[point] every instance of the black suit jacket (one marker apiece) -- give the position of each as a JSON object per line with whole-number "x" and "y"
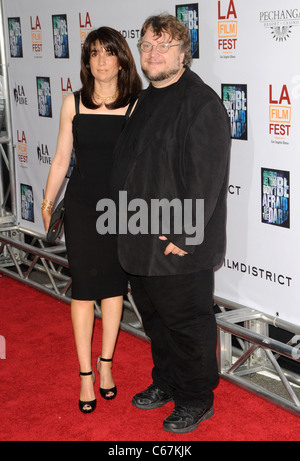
{"x": 180, "y": 152}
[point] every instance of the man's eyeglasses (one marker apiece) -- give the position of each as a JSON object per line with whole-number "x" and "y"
{"x": 146, "y": 47}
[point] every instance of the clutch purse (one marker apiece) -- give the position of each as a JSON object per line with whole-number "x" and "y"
{"x": 57, "y": 222}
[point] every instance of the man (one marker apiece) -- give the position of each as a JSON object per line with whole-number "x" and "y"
{"x": 175, "y": 146}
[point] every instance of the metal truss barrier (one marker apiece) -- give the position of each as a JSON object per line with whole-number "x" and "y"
{"x": 45, "y": 267}
{"x": 250, "y": 358}
{"x": 7, "y": 191}
{"x": 247, "y": 355}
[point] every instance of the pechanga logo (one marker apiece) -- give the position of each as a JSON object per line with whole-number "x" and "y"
{"x": 66, "y": 87}
{"x": 85, "y": 26}
{"x": 22, "y": 148}
{"x": 280, "y": 111}
{"x": 227, "y": 28}
{"x": 280, "y": 22}
{"x": 36, "y": 37}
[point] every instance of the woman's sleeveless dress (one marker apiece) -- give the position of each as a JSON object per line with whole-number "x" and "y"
{"x": 93, "y": 259}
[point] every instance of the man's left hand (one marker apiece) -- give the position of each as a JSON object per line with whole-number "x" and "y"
{"x": 171, "y": 248}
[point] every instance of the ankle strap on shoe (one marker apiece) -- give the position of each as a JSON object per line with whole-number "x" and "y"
{"x": 85, "y": 374}
{"x": 105, "y": 360}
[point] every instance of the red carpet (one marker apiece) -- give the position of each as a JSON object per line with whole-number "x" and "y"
{"x": 39, "y": 386}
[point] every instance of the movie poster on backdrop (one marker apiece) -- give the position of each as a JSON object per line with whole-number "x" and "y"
{"x": 248, "y": 54}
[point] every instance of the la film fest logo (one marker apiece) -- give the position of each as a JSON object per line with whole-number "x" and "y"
{"x": 280, "y": 22}
{"x": 160, "y": 216}
{"x": 36, "y": 36}
{"x": 85, "y": 26}
{"x": 66, "y": 87}
{"x": 22, "y": 148}
{"x": 280, "y": 113}
{"x": 227, "y": 28}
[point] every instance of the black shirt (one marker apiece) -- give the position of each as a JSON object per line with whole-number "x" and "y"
{"x": 145, "y": 109}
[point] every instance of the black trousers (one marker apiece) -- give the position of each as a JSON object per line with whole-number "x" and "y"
{"x": 178, "y": 317}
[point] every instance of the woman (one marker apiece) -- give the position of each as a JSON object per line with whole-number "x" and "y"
{"x": 91, "y": 120}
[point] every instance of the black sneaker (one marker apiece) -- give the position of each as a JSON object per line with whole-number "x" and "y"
{"x": 151, "y": 398}
{"x": 186, "y": 419}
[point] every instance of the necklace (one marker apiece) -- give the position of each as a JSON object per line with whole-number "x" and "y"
{"x": 106, "y": 97}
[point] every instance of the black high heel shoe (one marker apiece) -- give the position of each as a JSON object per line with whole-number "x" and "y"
{"x": 92, "y": 403}
{"x": 104, "y": 392}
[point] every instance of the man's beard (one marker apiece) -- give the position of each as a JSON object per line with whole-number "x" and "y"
{"x": 162, "y": 75}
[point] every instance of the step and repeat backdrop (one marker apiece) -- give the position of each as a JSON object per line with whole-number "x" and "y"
{"x": 248, "y": 52}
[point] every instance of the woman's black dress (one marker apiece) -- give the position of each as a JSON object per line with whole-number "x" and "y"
{"x": 93, "y": 259}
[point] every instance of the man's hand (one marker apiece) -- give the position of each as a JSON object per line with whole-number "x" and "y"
{"x": 171, "y": 248}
